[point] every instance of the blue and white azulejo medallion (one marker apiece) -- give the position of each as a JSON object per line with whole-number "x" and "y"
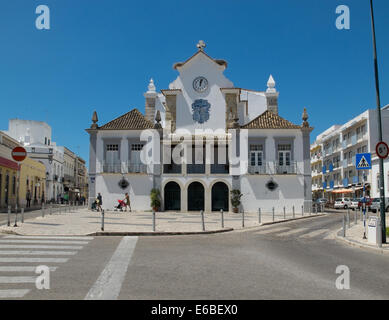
{"x": 200, "y": 110}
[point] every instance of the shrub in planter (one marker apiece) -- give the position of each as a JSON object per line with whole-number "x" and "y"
{"x": 235, "y": 199}
{"x": 155, "y": 199}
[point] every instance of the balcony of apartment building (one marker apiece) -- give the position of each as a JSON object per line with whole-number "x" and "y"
{"x": 126, "y": 167}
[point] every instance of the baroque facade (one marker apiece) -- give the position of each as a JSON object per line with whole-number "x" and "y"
{"x": 224, "y": 137}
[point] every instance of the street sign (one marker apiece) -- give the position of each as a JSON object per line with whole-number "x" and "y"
{"x": 19, "y": 154}
{"x": 363, "y": 161}
{"x": 382, "y": 150}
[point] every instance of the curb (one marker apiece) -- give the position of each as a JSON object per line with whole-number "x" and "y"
{"x": 358, "y": 244}
{"x": 157, "y": 233}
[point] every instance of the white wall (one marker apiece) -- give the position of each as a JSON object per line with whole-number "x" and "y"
{"x": 139, "y": 190}
{"x": 375, "y": 172}
{"x": 36, "y": 130}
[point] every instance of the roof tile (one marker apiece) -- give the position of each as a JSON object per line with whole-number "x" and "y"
{"x": 270, "y": 120}
{"x": 132, "y": 120}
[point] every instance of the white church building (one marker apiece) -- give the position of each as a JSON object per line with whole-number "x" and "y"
{"x": 224, "y": 137}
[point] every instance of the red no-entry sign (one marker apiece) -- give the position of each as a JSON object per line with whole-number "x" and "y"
{"x": 19, "y": 154}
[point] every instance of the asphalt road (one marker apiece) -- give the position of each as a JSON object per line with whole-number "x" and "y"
{"x": 294, "y": 260}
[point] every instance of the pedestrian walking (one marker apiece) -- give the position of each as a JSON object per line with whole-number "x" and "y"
{"x": 99, "y": 201}
{"x": 127, "y": 201}
{"x": 28, "y": 198}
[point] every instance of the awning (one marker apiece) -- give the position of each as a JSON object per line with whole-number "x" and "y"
{"x": 9, "y": 163}
{"x": 343, "y": 191}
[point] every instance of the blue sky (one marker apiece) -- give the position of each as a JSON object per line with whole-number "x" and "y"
{"x": 100, "y": 54}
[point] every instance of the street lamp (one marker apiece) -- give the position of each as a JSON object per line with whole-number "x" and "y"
{"x": 381, "y": 161}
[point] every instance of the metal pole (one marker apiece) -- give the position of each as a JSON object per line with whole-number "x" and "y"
{"x": 242, "y": 218}
{"x": 222, "y": 217}
{"x": 381, "y": 161}
{"x": 9, "y": 216}
{"x": 284, "y": 214}
{"x": 259, "y": 215}
{"x": 302, "y": 211}
{"x": 16, "y": 216}
{"x": 293, "y": 213}
{"x": 310, "y": 210}
{"x": 43, "y": 210}
{"x": 102, "y": 220}
{"x": 22, "y": 212}
{"x": 344, "y": 226}
{"x": 348, "y": 218}
{"x": 379, "y": 240}
{"x": 273, "y": 213}
{"x": 153, "y": 220}
{"x": 202, "y": 220}
{"x": 355, "y": 217}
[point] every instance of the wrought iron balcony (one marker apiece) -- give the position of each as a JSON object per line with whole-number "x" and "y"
{"x": 195, "y": 168}
{"x": 257, "y": 169}
{"x": 109, "y": 167}
{"x": 136, "y": 167}
{"x": 220, "y": 168}
{"x": 172, "y": 168}
{"x": 290, "y": 168}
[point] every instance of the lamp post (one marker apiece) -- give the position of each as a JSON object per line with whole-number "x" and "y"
{"x": 381, "y": 161}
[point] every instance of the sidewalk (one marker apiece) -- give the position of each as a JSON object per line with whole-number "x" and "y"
{"x": 354, "y": 234}
{"x": 86, "y": 222}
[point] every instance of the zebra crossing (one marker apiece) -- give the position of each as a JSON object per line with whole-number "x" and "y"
{"x": 301, "y": 233}
{"x": 21, "y": 255}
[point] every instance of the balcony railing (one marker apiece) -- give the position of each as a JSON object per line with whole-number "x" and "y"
{"x": 172, "y": 168}
{"x": 195, "y": 168}
{"x": 220, "y": 168}
{"x": 257, "y": 169}
{"x": 136, "y": 167}
{"x": 112, "y": 167}
{"x": 286, "y": 168}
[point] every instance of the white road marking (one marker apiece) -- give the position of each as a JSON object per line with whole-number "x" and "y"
{"x": 36, "y": 252}
{"x": 17, "y": 279}
{"x": 21, "y": 268}
{"x": 23, "y": 246}
{"x": 291, "y": 232}
{"x": 314, "y": 233}
{"x": 271, "y": 230}
{"x": 13, "y": 293}
{"x": 35, "y": 260}
{"x": 49, "y": 237}
{"x": 109, "y": 283}
{"x": 42, "y": 241}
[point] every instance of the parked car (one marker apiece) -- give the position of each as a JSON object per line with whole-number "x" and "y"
{"x": 342, "y": 203}
{"x": 376, "y": 204}
{"x": 354, "y": 203}
{"x": 321, "y": 201}
{"x": 368, "y": 202}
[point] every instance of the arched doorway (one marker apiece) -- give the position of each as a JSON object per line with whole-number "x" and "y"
{"x": 195, "y": 196}
{"x": 172, "y": 196}
{"x": 220, "y": 197}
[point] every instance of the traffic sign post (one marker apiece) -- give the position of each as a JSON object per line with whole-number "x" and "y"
{"x": 18, "y": 154}
{"x": 363, "y": 162}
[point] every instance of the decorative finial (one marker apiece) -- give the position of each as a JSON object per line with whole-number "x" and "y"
{"x": 305, "y": 118}
{"x": 151, "y": 86}
{"x": 271, "y": 84}
{"x": 94, "y": 120}
{"x": 157, "y": 124}
{"x": 201, "y": 45}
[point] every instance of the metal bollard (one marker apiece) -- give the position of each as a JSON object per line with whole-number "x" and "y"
{"x": 9, "y": 216}
{"x": 293, "y": 212}
{"x": 273, "y": 213}
{"x": 302, "y": 211}
{"x": 355, "y": 217}
{"x": 259, "y": 215}
{"x": 379, "y": 240}
{"x": 202, "y": 220}
{"x": 242, "y": 218}
{"x": 102, "y": 220}
{"x": 344, "y": 226}
{"x": 310, "y": 210}
{"x": 284, "y": 214}
{"x": 43, "y": 210}
{"x": 50, "y": 209}
{"x": 22, "y": 213}
{"x": 348, "y": 218}
{"x": 222, "y": 217}
{"x": 16, "y": 216}
{"x": 153, "y": 220}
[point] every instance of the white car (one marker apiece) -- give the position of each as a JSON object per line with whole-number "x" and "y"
{"x": 342, "y": 203}
{"x": 354, "y": 203}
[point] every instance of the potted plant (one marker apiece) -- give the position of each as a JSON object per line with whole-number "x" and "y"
{"x": 235, "y": 199}
{"x": 155, "y": 199}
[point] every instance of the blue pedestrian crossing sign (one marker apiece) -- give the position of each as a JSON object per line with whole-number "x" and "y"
{"x": 363, "y": 161}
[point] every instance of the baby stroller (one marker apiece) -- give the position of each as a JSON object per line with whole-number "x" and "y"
{"x": 94, "y": 206}
{"x": 120, "y": 206}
